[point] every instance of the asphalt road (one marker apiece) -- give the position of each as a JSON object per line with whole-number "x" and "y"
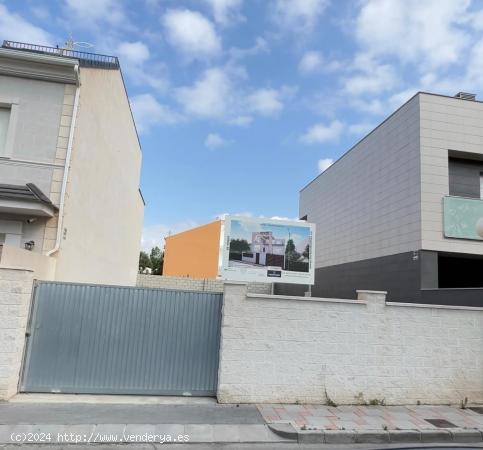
{"x": 276, "y": 446}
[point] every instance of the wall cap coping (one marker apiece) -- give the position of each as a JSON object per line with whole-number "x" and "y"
{"x": 427, "y": 305}
{"x": 16, "y": 268}
{"x": 306, "y": 299}
{"x": 239, "y": 283}
{"x": 365, "y": 291}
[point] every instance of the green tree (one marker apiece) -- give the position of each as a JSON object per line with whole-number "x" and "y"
{"x": 239, "y": 245}
{"x": 306, "y": 252}
{"x": 154, "y": 260}
{"x": 291, "y": 254}
{"x": 157, "y": 259}
{"x": 144, "y": 261}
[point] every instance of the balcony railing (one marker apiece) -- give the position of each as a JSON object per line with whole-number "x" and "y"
{"x": 86, "y": 59}
{"x": 461, "y": 216}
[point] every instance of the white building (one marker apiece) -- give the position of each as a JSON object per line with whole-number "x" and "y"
{"x": 70, "y": 160}
{"x": 263, "y": 244}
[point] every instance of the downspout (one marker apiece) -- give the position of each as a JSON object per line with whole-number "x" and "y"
{"x": 68, "y": 155}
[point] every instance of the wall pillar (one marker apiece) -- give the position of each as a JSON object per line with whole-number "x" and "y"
{"x": 15, "y": 297}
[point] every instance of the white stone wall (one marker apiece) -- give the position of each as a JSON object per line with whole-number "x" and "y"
{"x": 295, "y": 349}
{"x": 446, "y": 124}
{"x": 367, "y": 204}
{"x": 15, "y": 294}
{"x": 192, "y": 284}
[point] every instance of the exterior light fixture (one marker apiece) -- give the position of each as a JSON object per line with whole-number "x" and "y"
{"x": 29, "y": 245}
{"x": 479, "y": 227}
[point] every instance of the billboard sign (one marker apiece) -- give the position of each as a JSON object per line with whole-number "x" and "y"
{"x": 267, "y": 250}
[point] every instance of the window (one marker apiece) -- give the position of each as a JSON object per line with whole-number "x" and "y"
{"x": 4, "y": 120}
{"x": 3, "y": 238}
{"x": 481, "y": 185}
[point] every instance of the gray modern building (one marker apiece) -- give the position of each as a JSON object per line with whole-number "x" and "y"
{"x": 402, "y": 210}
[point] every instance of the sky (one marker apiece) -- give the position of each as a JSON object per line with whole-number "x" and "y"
{"x": 243, "y": 230}
{"x": 240, "y": 103}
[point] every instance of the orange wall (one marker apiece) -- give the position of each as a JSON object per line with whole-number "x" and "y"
{"x": 193, "y": 253}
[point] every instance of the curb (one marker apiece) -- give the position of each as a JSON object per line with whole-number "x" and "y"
{"x": 285, "y": 430}
{"x": 460, "y": 435}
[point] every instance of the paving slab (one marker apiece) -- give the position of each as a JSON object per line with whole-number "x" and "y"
{"x": 79, "y": 413}
{"x": 377, "y": 424}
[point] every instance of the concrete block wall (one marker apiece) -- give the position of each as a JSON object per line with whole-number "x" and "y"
{"x": 277, "y": 349}
{"x": 15, "y": 295}
{"x": 192, "y": 284}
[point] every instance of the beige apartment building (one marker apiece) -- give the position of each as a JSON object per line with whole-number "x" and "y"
{"x": 70, "y": 160}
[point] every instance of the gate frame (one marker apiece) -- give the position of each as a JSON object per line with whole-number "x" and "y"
{"x": 28, "y": 336}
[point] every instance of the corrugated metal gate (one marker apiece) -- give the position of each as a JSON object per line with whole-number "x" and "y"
{"x": 121, "y": 340}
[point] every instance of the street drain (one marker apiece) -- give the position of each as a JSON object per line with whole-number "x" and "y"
{"x": 477, "y": 409}
{"x": 441, "y": 423}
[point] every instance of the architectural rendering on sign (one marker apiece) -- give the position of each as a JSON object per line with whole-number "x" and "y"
{"x": 402, "y": 211}
{"x": 267, "y": 250}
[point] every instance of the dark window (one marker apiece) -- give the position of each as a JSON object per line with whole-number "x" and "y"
{"x": 456, "y": 271}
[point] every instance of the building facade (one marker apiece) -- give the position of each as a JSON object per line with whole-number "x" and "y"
{"x": 265, "y": 250}
{"x": 70, "y": 159}
{"x": 401, "y": 211}
{"x": 193, "y": 253}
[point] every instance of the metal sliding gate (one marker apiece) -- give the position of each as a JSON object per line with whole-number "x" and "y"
{"x": 121, "y": 340}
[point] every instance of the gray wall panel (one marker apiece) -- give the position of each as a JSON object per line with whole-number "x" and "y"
{"x": 399, "y": 275}
{"x": 464, "y": 177}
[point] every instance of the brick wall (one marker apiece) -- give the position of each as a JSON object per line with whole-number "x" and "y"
{"x": 15, "y": 294}
{"x": 295, "y": 349}
{"x": 191, "y": 284}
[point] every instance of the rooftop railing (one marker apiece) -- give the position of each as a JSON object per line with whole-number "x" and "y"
{"x": 85, "y": 59}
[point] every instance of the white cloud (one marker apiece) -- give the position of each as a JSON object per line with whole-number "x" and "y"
{"x": 324, "y": 164}
{"x": 133, "y": 57}
{"x": 241, "y": 121}
{"x": 266, "y": 102}
{"x": 298, "y": 15}
{"x": 208, "y": 97}
{"x": 310, "y": 62}
{"x": 191, "y": 33}
{"x": 226, "y": 12}
{"x": 133, "y": 52}
{"x": 153, "y": 235}
{"x": 16, "y": 28}
{"x": 370, "y": 77}
{"x": 260, "y": 46}
{"x": 149, "y": 112}
{"x": 95, "y": 10}
{"x": 424, "y": 32}
{"x": 360, "y": 129}
{"x": 217, "y": 94}
{"x": 322, "y": 133}
{"x": 214, "y": 140}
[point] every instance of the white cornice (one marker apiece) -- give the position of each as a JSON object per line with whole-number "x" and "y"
{"x": 38, "y": 57}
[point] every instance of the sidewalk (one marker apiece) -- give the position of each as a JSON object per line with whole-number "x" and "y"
{"x": 375, "y": 424}
{"x": 205, "y": 421}
{"x": 117, "y": 423}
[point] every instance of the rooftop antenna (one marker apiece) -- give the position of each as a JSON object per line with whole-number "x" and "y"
{"x": 70, "y": 45}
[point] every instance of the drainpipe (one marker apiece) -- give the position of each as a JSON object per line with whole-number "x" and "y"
{"x": 60, "y": 220}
